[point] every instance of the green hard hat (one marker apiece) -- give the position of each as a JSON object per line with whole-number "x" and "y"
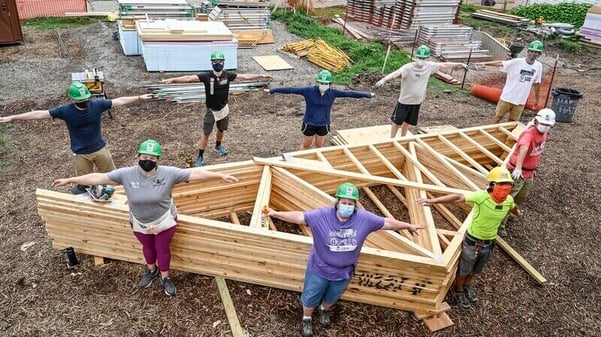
{"x": 151, "y": 147}
{"x": 324, "y": 76}
{"x": 348, "y": 191}
{"x": 217, "y": 55}
{"x": 422, "y": 51}
{"x": 536, "y": 45}
{"x": 79, "y": 92}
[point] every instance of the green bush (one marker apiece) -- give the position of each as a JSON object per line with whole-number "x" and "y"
{"x": 573, "y": 13}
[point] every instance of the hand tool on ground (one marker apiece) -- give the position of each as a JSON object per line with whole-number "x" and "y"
{"x": 100, "y": 193}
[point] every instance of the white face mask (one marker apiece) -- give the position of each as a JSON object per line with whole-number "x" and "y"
{"x": 324, "y": 87}
{"x": 543, "y": 128}
{"x": 420, "y": 63}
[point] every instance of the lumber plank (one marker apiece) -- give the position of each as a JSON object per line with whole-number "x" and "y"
{"x": 228, "y": 305}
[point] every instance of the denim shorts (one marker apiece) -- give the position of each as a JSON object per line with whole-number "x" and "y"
{"x": 318, "y": 289}
{"x": 472, "y": 262}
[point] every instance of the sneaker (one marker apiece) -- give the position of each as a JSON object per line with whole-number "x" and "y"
{"x": 78, "y": 189}
{"x": 470, "y": 294}
{"x": 222, "y": 151}
{"x": 169, "y": 286}
{"x": 324, "y": 317}
{"x": 502, "y": 231}
{"x": 199, "y": 162}
{"x": 461, "y": 301}
{"x": 307, "y": 329}
{"x": 148, "y": 276}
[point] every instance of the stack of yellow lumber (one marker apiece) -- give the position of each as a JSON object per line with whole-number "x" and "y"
{"x": 320, "y": 53}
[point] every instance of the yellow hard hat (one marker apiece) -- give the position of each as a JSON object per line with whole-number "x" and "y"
{"x": 499, "y": 174}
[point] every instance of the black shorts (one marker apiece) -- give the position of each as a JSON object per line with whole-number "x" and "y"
{"x": 312, "y": 130}
{"x": 209, "y": 121}
{"x": 405, "y": 113}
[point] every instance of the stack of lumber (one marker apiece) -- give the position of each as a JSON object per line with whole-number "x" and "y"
{"x": 590, "y": 32}
{"x": 320, "y": 53}
{"x": 156, "y": 9}
{"x": 452, "y": 43}
{"x": 178, "y": 30}
{"x": 506, "y": 19}
{"x": 249, "y": 26}
{"x": 403, "y": 14}
{"x": 354, "y": 31}
{"x": 396, "y": 269}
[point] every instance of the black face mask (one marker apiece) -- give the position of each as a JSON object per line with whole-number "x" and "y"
{"x": 217, "y": 67}
{"x": 147, "y": 165}
{"x": 82, "y": 105}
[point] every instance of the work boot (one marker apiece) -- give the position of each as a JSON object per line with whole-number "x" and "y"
{"x": 461, "y": 301}
{"x": 502, "y": 231}
{"x": 78, "y": 189}
{"x": 470, "y": 294}
{"x": 221, "y": 150}
{"x": 148, "y": 276}
{"x": 169, "y": 286}
{"x": 307, "y": 329}
{"x": 199, "y": 162}
{"x": 324, "y": 317}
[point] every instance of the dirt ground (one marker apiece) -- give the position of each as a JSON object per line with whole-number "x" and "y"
{"x": 41, "y": 297}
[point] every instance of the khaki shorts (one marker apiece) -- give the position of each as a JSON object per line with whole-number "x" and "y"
{"x": 515, "y": 111}
{"x": 84, "y": 163}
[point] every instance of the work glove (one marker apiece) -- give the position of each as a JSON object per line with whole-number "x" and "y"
{"x": 380, "y": 83}
{"x": 516, "y": 173}
{"x": 464, "y": 66}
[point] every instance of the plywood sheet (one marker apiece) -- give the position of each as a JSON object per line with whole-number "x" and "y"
{"x": 182, "y": 30}
{"x": 272, "y": 62}
{"x": 370, "y": 134}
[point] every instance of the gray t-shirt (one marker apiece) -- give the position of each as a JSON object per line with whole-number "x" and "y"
{"x": 149, "y": 197}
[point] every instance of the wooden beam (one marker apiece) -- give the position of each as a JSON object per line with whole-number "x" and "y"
{"x": 228, "y": 305}
{"x": 258, "y": 219}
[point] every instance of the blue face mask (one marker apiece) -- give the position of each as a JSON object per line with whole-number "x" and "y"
{"x": 345, "y": 211}
{"x": 217, "y": 66}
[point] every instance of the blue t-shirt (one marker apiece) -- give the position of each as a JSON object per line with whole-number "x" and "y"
{"x": 336, "y": 244}
{"x": 84, "y": 126}
{"x": 319, "y": 107}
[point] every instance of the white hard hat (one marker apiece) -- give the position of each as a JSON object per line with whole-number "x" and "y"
{"x": 546, "y": 116}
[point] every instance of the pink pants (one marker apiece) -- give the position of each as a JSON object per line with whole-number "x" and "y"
{"x": 155, "y": 247}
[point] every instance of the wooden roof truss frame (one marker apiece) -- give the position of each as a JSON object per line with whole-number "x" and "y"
{"x": 215, "y": 236}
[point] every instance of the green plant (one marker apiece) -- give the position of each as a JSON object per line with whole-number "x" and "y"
{"x": 572, "y": 13}
{"x": 571, "y": 45}
{"x": 53, "y": 22}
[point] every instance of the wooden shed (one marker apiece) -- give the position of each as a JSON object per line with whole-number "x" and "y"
{"x": 10, "y": 26}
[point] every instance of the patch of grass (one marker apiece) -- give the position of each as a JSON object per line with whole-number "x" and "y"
{"x": 367, "y": 57}
{"x": 571, "y": 45}
{"x": 573, "y": 13}
{"x": 53, "y": 23}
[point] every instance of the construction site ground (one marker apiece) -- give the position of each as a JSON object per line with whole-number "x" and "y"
{"x": 41, "y": 297}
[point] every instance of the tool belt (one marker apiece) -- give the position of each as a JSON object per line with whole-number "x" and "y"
{"x": 472, "y": 241}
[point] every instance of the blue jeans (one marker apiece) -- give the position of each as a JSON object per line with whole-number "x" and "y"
{"x": 318, "y": 289}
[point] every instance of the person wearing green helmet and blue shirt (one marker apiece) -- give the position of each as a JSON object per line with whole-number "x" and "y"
{"x": 491, "y": 206}
{"x": 338, "y": 235}
{"x": 83, "y": 118}
{"x": 318, "y": 106}
{"x": 217, "y": 89}
{"x": 414, "y": 83}
{"x": 523, "y": 75}
{"x": 152, "y": 212}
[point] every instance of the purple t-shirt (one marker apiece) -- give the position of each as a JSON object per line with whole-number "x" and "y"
{"x": 337, "y": 244}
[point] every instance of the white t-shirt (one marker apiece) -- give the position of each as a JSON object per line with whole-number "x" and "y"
{"x": 520, "y": 78}
{"x": 414, "y": 81}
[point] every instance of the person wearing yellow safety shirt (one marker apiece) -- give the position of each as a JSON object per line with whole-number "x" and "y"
{"x": 490, "y": 208}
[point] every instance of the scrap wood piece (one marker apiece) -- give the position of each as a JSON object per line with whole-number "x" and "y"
{"x": 437, "y": 321}
{"x": 272, "y": 62}
{"x": 230, "y": 311}
{"x": 253, "y": 37}
{"x": 320, "y": 53}
{"x": 446, "y": 78}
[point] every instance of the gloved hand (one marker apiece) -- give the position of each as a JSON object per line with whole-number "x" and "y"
{"x": 464, "y": 66}
{"x": 380, "y": 83}
{"x": 516, "y": 173}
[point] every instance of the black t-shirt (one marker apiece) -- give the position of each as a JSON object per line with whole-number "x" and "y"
{"x": 216, "y": 88}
